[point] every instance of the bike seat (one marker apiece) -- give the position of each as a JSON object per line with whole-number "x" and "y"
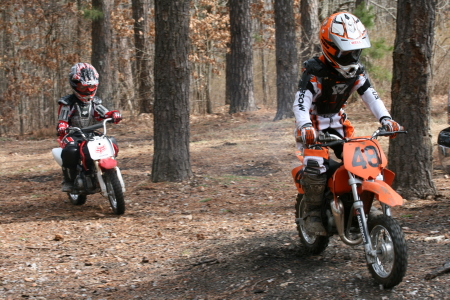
{"x": 333, "y": 166}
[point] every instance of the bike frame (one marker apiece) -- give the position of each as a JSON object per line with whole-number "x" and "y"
{"x": 363, "y": 174}
{"x": 101, "y": 150}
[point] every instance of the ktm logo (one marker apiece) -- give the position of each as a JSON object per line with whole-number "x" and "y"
{"x": 355, "y": 42}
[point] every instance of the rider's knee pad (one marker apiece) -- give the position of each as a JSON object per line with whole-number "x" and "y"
{"x": 70, "y": 156}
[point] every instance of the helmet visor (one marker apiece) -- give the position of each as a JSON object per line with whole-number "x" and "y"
{"x": 86, "y": 89}
{"x": 345, "y": 58}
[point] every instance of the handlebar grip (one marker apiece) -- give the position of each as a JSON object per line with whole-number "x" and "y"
{"x": 92, "y": 127}
{"x": 333, "y": 143}
{"x": 388, "y": 133}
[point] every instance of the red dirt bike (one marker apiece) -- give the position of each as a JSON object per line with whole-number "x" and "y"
{"x": 98, "y": 171}
{"x": 356, "y": 184}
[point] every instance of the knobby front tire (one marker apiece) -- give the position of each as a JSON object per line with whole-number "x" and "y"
{"x": 392, "y": 257}
{"x": 115, "y": 192}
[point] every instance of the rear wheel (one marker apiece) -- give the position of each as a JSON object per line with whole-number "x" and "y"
{"x": 114, "y": 190}
{"x": 392, "y": 258}
{"x": 77, "y": 199}
{"x": 314, "y": 244}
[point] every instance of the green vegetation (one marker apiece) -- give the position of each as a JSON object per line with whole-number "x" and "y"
{"x": 92, "y": 14}
{"x": 378, "y": 50}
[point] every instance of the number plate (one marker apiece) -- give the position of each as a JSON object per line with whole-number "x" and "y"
{"x": 364, "y": 158}
{"x": 100, "y": 148}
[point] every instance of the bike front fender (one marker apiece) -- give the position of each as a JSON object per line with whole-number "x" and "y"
{"x": 107, "y": 163}
{"x": 384, "y": 191}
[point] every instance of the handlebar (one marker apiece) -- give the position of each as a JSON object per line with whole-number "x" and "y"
{"x": 91, "y": 128}
{"x": 326, "y": 139}
{"x": 383, "y": 132}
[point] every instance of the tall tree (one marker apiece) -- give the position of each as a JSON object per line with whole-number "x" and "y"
{"x": 310, "y": 24}
{"x": 171, "y": 160}
{"x": 144, "y": 80}
{"x": 411, "y": 101}
{"x": 101, "y": 48}
{"x": 286, "y": 58}
{"x": 240, "y": 74}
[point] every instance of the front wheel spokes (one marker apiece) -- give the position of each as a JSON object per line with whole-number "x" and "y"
{"x": 384, "y": 250}
{"x": 111, "y": 194}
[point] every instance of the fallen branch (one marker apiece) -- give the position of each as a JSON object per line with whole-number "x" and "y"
{"x": 37, "y": 248}
{"x": 438, "y": 271}
{"x": 206, "y": 261}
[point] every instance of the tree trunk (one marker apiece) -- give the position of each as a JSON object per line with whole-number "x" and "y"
{"x": 411, "y": 101}
{"x": 241, "y": 58}
{"x": 144, "y": 80}
{"x": 127, "y": 92}
{"x": 324, "y": 9}
{"x": 171, "y": 160}
{"x": 286, "y": 58}
{"x": 228, "y": 76}
{"x": 264, "y": 80}
{"x": 101, "y": 49}
{"x": 310, "y": 26}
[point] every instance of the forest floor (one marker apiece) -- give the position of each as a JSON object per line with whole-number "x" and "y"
{"x": 228, "y": 233}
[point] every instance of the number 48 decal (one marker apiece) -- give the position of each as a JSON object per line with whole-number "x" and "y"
{"x": 368, "y": 155}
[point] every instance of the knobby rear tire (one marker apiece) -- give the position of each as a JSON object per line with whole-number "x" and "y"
{"x": 77, "y": 199}
{"x": 115, "y": 192}
{"x": 313, "y": 244}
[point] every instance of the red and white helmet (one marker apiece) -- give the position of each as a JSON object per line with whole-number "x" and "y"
{"x": 342, "y": 37}
{"x": 83, "y": 79}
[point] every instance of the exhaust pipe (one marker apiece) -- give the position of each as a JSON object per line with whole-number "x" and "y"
{"x": 339, "y": 218}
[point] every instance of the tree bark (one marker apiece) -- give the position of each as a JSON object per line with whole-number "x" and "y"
{"x": 410, "y": 156}
{"x": 101, "y": 49}
{"x": 286, "y": 58}
{"x": 171, "y": 160}
{"x": 241, "y": 58}
{"x": 310, "y": 26}
{"x": 144, "y": 79}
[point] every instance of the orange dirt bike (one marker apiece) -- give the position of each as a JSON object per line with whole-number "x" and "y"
{"x": 353, "y": 187}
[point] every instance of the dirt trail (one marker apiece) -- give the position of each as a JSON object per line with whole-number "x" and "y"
{"x": 228, "y": 233}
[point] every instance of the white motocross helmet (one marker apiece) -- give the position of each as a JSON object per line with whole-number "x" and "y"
{"x": 342, "y": 38}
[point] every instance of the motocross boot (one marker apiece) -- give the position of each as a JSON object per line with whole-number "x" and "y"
{"x": 314, "y": 186}
{"x": 69, "y": 177}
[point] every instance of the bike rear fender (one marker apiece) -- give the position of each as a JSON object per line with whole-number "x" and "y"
{"x": 385, "y": 193}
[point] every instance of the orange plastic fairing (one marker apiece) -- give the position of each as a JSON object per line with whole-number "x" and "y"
{"x": 317, "y": 152}
{"x": 338, "y": 184}
{"x": 296, "y": 174}
{"x": 388, "y": 176}
{"x": 299, "y": 155}
{"x": 385, "y": 193}
{"x": 364, "y": 158}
